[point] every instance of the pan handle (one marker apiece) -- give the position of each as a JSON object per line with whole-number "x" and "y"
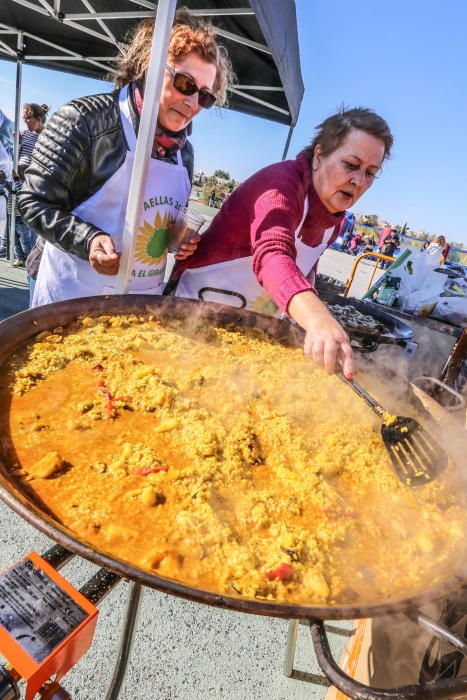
{"x": 426, "y": 383}
{"x": 360, "y": 391}
{"x": 440, "y": 690}
{"x": 438, "y": 630}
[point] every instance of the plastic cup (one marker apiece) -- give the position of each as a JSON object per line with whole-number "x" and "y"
{"x": 187, "y": 224}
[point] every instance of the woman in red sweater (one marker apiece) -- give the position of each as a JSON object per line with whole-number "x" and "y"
{"x": 261, "y": 250}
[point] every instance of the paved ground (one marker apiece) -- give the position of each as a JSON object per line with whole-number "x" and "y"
{"x": 14, "y": 292}
{"x": 339, "y": 265}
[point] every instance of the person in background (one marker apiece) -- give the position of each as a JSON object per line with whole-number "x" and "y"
{"x": 346, "y": 238}
{"x": 77, "y": 186}
{"x": 6, "y": 134}
{"x": 12, "y": 185}
{"x": 444, "y": 254}
{"x": 5, "y": 174}
{"x": 34, "y": 117}
{"x": 261, "y": 251}
{"x": 355, "y": 244}
{"x": 368, "y": 243}
{"x": 212, "y": 199}
{"x": 6, "y": 164}
{"x": 390, "y": 244}
{"x": 347, "y": 230}
{"x": 440, "y": 248}
{"x": 385, "y": 233}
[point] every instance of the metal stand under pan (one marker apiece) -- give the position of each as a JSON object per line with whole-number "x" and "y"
{"x": 447, "y": 689}
{"x": 432, "y": 687}
{"x": 444, "y": 689}
{"x": 135, "y": 595}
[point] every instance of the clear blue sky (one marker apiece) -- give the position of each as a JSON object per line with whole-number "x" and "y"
{"x": 407, "y": 59}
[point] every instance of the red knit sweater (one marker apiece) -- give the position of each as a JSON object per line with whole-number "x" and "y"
{"x": 259, "y": 219}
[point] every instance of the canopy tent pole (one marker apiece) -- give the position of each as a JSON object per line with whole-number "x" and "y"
{"x": 152, "y": 93}
{"x": 19, "y": 75}
{"x": 287, "y": 143}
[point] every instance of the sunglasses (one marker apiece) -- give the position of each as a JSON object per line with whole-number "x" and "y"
{"x": 187, "y": 86}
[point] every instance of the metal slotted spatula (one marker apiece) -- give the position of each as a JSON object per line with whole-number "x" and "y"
{"x": 415, "y": 456}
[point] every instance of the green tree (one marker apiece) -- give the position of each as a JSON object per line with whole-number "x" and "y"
{"x": 222, "y": 174}
{"x": 212, "y": 189}
{"x": 371, "y": 220}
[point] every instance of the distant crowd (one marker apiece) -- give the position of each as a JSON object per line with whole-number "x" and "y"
{"x": 387, "y": 243}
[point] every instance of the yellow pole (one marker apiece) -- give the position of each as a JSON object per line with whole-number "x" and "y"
{"x": 379, "y": 256}
{"x": 373, "y": 274}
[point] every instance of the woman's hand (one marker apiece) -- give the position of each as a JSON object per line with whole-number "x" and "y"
{"x": 328, "y": 344}
{"x": 325, "y": 341}
{"x": 102, "y": 255}
{"x": 187, "y": 249}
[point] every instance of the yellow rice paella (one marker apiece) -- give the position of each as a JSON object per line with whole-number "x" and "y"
{"x": 218, "y": 457}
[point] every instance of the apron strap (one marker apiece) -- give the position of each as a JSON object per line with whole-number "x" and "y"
{"x": 126, "y": 119}
{"x": 306, "y": 206}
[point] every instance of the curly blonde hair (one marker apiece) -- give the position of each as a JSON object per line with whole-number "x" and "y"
{"x": 188, "y": 34}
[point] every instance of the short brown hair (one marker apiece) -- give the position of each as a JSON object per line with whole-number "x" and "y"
{"x": 332, "y": 132}
{"x": 188, "y": 34}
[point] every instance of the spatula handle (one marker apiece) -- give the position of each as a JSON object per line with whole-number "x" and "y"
{"x": 360, "y": 391}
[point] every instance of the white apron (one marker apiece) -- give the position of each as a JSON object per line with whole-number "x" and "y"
{"x": 65, "y": 276}
{"x": 234, "y": 283}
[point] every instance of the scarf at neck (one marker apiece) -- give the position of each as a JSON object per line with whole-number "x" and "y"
{"x": 166, "y": 143}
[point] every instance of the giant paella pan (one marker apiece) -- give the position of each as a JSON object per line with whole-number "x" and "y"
{"x": 192, "y": 447}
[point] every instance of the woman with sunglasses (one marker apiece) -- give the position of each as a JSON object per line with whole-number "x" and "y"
{"x": 262, "y": 249}
{"x": 76, "y": 189}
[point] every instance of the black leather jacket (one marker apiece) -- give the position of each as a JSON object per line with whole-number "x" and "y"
{"x": 82, "y": 146}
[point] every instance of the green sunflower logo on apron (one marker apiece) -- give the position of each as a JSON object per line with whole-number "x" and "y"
{"x": 151, "y": 245}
